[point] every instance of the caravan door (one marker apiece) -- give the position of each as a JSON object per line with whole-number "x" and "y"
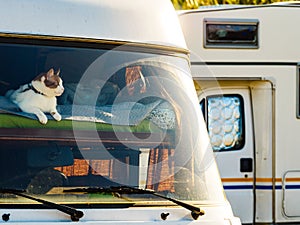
{"x": 226, "y": 110}
{"x": 237, "y": 111}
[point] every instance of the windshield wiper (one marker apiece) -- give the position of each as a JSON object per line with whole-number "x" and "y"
{"x": 74, "y": 213}
{"x": 195, "y": 211}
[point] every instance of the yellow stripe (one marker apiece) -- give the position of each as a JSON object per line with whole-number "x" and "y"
{"x": 293, "y": 179}
{"x": 237, "y": 179}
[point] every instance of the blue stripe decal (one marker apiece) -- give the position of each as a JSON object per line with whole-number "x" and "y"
{"x": 292, "y": 186}
{"x": 259, "y": 187}
{"x": 235, "y": 187}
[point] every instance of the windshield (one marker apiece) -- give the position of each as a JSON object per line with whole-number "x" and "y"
{"x": 126, "y": 116}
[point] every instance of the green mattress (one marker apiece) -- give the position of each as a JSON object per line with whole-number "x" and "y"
{"x": 14, "y": 121}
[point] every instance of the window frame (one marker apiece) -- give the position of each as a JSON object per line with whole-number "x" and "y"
{"x": 236, "y": 147}
{"x": 235, "y": 44}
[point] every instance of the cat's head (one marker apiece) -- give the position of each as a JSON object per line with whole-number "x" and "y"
{"x": 49, "y": 83}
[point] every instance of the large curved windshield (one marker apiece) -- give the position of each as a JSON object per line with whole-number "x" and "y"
{"x": 129, "y": 117}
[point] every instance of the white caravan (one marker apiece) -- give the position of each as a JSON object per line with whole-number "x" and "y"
{"x": 132, "y": 147}
{"x": 245, "y": 63}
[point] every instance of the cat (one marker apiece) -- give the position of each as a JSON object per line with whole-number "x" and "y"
{"x": 39, "y": 96}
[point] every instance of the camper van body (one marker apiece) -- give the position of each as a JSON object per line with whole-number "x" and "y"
{"x": 245, "y": 63}
{"x": 112, "y": 159}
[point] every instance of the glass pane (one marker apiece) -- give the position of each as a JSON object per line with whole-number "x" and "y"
{"x": 225, "y": 122}
{"x": 126, "y": 120}
{"x": 231, "y": 34}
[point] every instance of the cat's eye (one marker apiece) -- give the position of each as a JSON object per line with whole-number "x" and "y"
{"x": 53, "y": 84}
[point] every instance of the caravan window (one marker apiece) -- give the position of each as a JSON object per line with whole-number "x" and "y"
{"x": 220, "y": 33}
{"x": 125, "y": 121}
{"x": 225, "y": 121}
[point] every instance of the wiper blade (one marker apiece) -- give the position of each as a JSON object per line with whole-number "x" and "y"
{"x": 195, "y": 211}
{"x": 74, "y": 213}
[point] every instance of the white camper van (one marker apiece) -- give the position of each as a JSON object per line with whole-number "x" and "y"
{"x": 245, "y": 63}
{"x": 99, "y": 119}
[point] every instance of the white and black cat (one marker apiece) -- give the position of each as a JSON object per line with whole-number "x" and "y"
{"x": 39, "y": 96}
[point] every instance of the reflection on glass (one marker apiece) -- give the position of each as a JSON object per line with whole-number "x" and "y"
{"x": 236, "y": 34}
{"x": 126, "y": 120}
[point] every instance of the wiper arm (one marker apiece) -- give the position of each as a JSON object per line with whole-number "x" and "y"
{"x": 74, "y": 213}
{"x": 195, "y": 211}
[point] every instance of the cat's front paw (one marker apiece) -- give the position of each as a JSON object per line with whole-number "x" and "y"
{"x": 56, "y": 116}
{"x": 43, "y": 119}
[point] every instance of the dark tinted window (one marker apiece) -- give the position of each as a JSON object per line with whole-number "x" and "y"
{"x": 231, "y": 34}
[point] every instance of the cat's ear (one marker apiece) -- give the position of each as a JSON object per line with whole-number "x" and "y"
{"x": 50, "y": 73}
{"x": 58, "y": 72}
